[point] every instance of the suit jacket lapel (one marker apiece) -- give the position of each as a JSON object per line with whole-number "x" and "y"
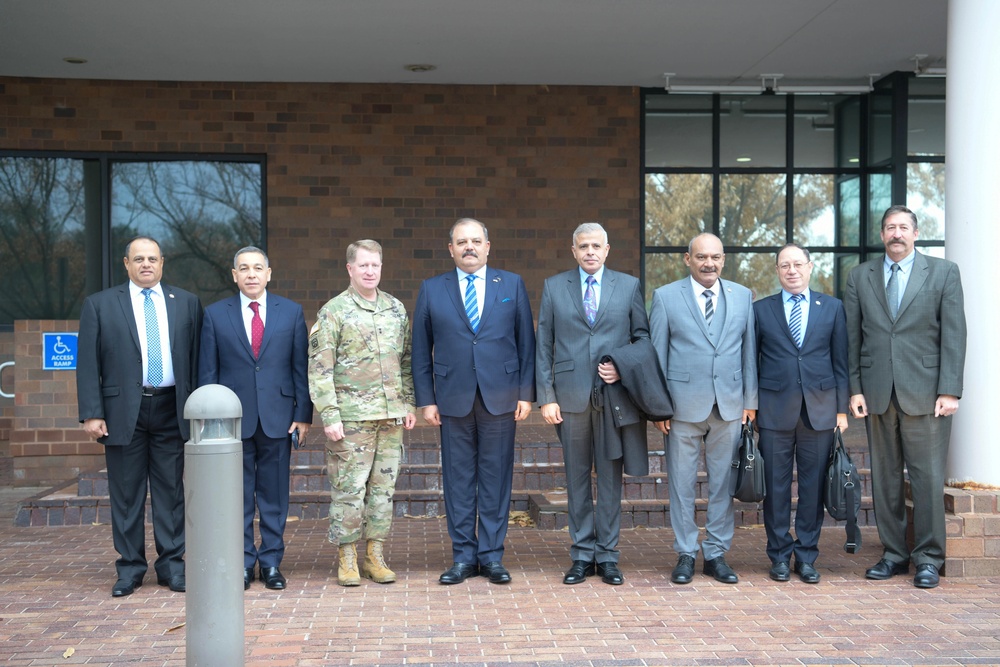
{"x": 274, "y": 317}
{"x": 574, "y": 294}
{"x": 170, "y": 302}
{"x": 609, "y": 283}
{"x": 918, "y": 276}
{"x": 451, "y": 286}
{"x": 125, "y": 301}
{"x": 490, "y": 293}
{"x": 696, "y": 312}
{"x": 239, "y": 328}
{"x": 876, "y": 278}
{"x": 778, "y": 309}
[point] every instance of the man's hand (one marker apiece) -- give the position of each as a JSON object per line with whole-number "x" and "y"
{"x": 551, "y": 413}
{"x": 303, "y": 430}
{"x": 608, "y": 372}
{"x": 663, "y": 427}
{"x": 409, "y": 421}
{"x": 95, "y": 428}
{"x": 522, "y": 411}
{"x": 334, "y": 432}
{"x": 842, "y": 421}
{"x": 431, "y": 415}
{"x": 858, "y": 406}
{"x": 749, "y": 415}
{"x": 945, "y": 406}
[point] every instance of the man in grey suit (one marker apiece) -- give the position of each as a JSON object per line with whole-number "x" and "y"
{"x": 703, "y": 331}
{"x": 906, "y": 360}
{"x": 586, "y": 313}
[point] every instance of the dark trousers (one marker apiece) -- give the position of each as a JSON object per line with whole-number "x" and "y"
{"x": 594, "y": 531}
{"x": 265, "y": 489}
{"x": 477, "y": 464}
{"x": 807, "y": 451}
{"x": 154, "y": 458}
{"x": 920, "y": 443}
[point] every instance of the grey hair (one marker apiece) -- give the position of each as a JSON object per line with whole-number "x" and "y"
{"x": 590, "y": 228}
{"x": 462, "y": 221}
{"x": 250, "y": 249}
{"x": 363, "y": 244}
{"x": 698, "y": 236}
{"x": 791, "y": 245}
{"x": 128, "y": 246}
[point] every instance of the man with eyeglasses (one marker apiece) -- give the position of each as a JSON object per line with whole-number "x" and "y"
{"x": 802, "y": 396}
{"x": 906, "y": 361}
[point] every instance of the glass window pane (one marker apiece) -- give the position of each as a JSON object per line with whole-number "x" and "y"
{"x": 849, "y": 133}
{"x": 814, "y": 127}
{"x": 879, "y": 199}
{"x": 850, "y": 211}
{"x": 812, "y": 203}
{"x": 925, "y": 117}
{"x": 678, "y": 207}
{"x": 42, "y": 239}
{"x": 663, "y": 268}
{"x": 752, "y": 209}
{"x": 925, "y": 197}
{"x": 844, "y": 265}
{"x": 752, "y": 131}
{"x": 200, "y": 212}
{"x": 678, "y": 131}
{"x": 753, "y": 270}
{"x": 880, "y": 125}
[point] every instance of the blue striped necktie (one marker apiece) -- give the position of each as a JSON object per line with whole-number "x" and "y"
{"x": 590, "y": 301}
{"x": 154, "y": 357}
{"x": 795, "y": 319}
{"x": 471, "y": 307}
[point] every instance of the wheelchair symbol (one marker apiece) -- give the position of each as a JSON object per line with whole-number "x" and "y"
{"x": 60, "y": 347}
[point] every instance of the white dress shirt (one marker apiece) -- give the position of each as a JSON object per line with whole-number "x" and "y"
{"x": 139, "y": 310}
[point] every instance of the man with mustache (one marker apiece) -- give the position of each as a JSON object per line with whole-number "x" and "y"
{"x": 906, "y": 359}
{"x": 473, "y": 359}
{"x": 703, "y": 330}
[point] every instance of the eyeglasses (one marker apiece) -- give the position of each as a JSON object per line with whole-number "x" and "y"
{"x": 797, "y": 265}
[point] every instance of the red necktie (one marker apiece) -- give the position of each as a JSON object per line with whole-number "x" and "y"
{"x": 256, "y": 329}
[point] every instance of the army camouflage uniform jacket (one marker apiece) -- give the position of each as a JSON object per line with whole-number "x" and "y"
{"x": 359, "y": 359}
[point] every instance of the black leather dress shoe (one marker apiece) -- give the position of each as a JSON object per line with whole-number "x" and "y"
{"x": 176, "y": 583}
{"x": 495, "y": 572}
{"x": 610, "y": 574}
{"x": 579, "y": 572}
{"x": 807, "y": 572}
{"x": 718, "y": 569}
{"x": 458, "y": 573}
{"x": 272, "y": 578}
{"x": 684, "y": 570}
{"x": 247, "y": 577}
{"x": 124, "y": 587}
{"x": 886, "y": 569}
{"x": 780, "y": 571}
{"x": 926, "y": 576}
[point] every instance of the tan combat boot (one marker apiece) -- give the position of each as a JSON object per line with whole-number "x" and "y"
{"x": 374, "y": 566}
{"x": 347, "y": 570}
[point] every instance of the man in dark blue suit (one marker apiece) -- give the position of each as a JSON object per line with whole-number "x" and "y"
{"x": 474, "y": 376}
{"x": 256, "y": 344}
{"x": 802, "y": 397}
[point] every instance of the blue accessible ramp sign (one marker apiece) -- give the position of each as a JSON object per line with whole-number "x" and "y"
{"x": 59, "y": 351}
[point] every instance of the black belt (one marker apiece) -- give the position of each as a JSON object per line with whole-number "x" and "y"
{"x": 157, "y": 391}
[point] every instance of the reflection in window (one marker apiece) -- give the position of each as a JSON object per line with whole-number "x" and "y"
{"x": 879, "y": 199}
{"x": 925, "y": 197}
{"x": 815, "y": 128}
{"x": 753, "y": 270}
{"x": 752, "y": 131}
{"x": 678, "y": 207}
{"x": 925, "y": 117}
{"x": 200, "y": 212}
{"x": 42, "y": 214}
{"x": 678, "y": 131}
{"x": 752, "y": 209}
{"x": 812, "y": 203}
{"x": 850, "y": 211}
{"x": 662, "y": 269}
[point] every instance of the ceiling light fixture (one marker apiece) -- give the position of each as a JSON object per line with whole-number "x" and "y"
{"x": 768, "y": 86}
{"x": 743, "y": 158}
{"x": 419, "y": 68}
{"x": 73, "y": 60}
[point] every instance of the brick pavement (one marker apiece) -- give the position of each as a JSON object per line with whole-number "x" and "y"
{"x": 55, "y": 595}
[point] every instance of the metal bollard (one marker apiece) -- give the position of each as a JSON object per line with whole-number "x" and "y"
{"x": 213, "y": 499}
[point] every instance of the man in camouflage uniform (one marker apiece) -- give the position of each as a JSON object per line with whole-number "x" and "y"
{"x": 362, "y": 386}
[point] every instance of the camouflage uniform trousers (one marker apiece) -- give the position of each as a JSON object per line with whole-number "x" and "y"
{"x": 362, "y": 468}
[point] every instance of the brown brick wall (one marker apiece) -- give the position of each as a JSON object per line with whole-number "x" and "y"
{"x": 397, "y": 163}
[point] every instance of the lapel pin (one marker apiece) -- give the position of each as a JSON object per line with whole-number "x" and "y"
{"x": 171, "y": 295}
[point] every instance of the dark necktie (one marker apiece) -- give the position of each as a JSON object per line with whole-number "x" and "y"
{"x": 709, "y": 306}
{"x": 590, "y": 301}
{"x": 154, "y": 356}
{"x": 256, "y": 329}
{"x": 892, "y": 291}
{"x": 795, "y": 319}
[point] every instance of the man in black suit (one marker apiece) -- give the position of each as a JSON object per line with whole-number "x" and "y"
{"x": 256, "y": 344}
{"x": 138, "y": 352}
{"x": 802, "y": 396}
